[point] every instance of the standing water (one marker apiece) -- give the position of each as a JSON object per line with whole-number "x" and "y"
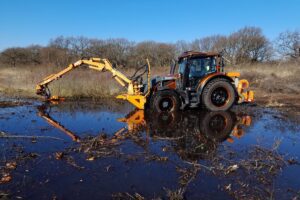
{"x": 93, "y": 150}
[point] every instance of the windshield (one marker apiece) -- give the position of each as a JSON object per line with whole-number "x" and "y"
{"x": 201, "y": 66}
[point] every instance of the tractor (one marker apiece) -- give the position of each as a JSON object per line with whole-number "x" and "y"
{"x": 197, "y": 79}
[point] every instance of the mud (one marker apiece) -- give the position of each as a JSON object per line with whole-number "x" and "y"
{"x": 287, "y": 104}
{"x": 5, "y": 104}
{"x": 108, "y": 150}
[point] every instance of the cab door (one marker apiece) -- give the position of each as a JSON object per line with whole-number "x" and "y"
{"x": 183, "y": 74}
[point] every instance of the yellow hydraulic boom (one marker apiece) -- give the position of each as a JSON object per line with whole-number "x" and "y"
{"x": 134, "y": 94}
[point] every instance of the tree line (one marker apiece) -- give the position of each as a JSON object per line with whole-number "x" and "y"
{"x": 248, "y": 44}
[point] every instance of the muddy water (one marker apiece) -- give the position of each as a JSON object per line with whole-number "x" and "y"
{"x": 109, "y": 151}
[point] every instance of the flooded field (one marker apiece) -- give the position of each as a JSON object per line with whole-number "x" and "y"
{"x": 109, "y": 150}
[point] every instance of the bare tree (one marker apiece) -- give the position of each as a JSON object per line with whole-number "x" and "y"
{"x": 57, "y": 56}
{"x": 34, "y": 53}
{"x": 288, "y": 44}
{"x": 16, "y": 56}
{"x": 248, "y": 45}
{"x": 60, "y": 43}
{"x": 60, "y": 47}
{"x": 78, "y": 46}
{"x": 182, "y": 46}
{"x": 210, "y": 43}
{"x": 96, "y": 48}
{"x": 117, "y": 51}
{"x": 10, "y": 56}
{"x": 145, "y": 50}
{"x": 166, "y": 53}
{"x": 159, "y": 54}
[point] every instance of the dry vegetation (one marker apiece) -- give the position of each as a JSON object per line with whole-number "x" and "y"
{"x": 80, "y": 83}
{"x": 270, "y": 81}
{"x": 275, "y": 84}
{"x": 271, "y": 78}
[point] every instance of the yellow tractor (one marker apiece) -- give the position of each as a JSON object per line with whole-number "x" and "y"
{"x": 196, "y": 79}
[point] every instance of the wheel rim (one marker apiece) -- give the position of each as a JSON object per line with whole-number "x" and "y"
{"x": 166, "y": 104}
{"x": 219, "y": 97}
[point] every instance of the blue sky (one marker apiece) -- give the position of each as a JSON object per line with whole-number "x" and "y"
{"x": 26, "y": 22}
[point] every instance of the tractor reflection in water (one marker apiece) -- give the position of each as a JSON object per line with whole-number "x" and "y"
{"x": 181, "y": 139}
{"x": 192, "y": 135}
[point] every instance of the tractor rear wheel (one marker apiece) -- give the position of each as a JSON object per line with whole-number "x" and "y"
{"x": 165, "y": 101}
{"x": 217, "y": 125}
{"x": 218, "y": 95}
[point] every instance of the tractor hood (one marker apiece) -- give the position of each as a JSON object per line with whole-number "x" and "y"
{"x": 161, "y": 79}
{"x": 165, "y": 78}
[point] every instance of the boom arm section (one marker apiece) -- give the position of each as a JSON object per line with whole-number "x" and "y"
{"x": 134, "y": 94}
{"x": 93, "y": 63}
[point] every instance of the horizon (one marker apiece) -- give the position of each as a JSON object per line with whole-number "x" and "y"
{"x": 35, "y": 23}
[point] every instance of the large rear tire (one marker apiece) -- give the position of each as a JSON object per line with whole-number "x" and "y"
{"x": 218, "y": 95}
{"x": 165, "y": 101}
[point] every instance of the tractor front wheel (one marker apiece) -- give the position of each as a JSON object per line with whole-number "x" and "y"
{"x": 165, "y": 101}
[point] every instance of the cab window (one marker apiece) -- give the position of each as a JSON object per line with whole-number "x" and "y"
{"x": 201, "y": 66}
{"x": 182, "y": 66}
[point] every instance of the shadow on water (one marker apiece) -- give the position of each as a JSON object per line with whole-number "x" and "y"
{"x": 68, "y": 153}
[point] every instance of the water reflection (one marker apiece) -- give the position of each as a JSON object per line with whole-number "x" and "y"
{"x": 44, "y": 112}
{"x": 189, "y": 154}
{"x": 192, "y": 135}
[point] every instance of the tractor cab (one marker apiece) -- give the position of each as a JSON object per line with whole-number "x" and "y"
{"x": 194, "y": 66}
